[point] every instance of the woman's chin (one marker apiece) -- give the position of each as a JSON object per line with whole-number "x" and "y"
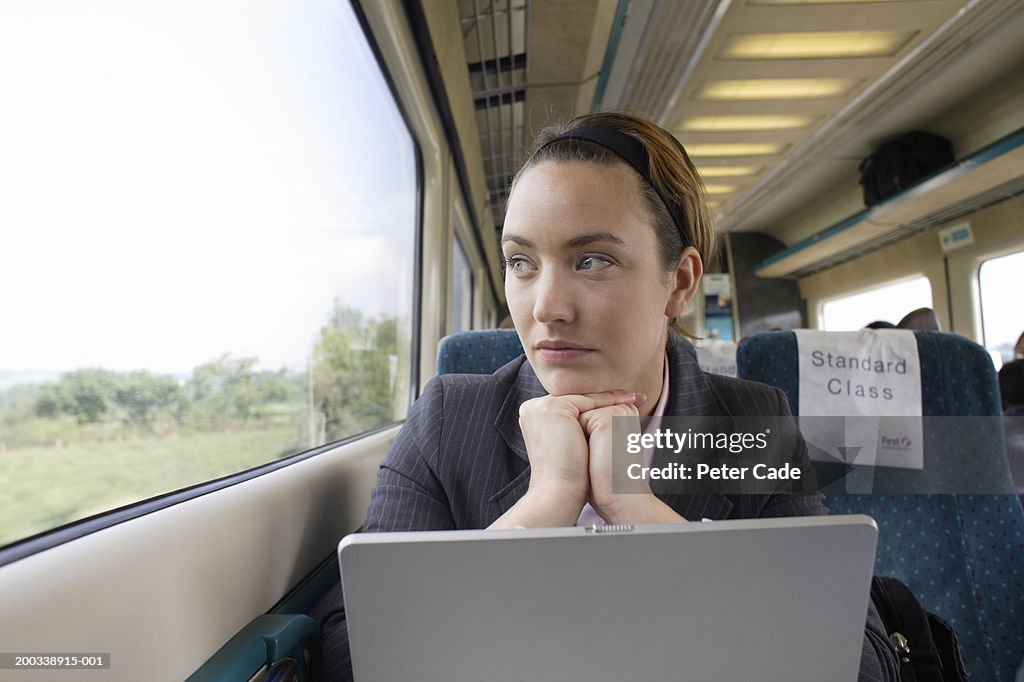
{"x": 562, "y": 383}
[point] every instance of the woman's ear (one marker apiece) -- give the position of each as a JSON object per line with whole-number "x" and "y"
{"x": 686, "y": 280}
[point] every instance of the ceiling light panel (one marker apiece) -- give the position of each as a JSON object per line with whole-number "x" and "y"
{"x": 775, "y": 88}
{"x": 758, "y": 122}
{"x": 815, "y": 45}
{"x": 719, "y": 188}
{"x": 728, "y": 171}
{"x": 734, "y": 149}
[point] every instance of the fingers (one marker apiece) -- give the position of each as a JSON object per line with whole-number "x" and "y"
{"x": 583, "y": 408}
{"x": 591, "y": 420}
{"x": 593, "y": 401}
{"x": 617, "y": 398}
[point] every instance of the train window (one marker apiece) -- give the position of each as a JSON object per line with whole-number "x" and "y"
{"x": 210, "y": 230}
{"x": 460, "y": 310}
{"x": 887, "y": 303}
{"x": 999, "y": 280}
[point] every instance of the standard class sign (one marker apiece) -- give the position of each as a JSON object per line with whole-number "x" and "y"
{"x": 872, "y": 380}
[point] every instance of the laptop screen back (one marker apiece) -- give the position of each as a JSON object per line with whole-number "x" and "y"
{"x": 767, "y": 599}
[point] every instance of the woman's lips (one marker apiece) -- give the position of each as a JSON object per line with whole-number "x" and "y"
{"x": 562, "y": 354}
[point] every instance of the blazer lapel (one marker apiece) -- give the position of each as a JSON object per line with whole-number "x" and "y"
{"x": 525, "y": 387}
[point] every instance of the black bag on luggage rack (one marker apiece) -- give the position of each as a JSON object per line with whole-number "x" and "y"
{"x": 901, "y": 162}
{"x": 926, "y": 645}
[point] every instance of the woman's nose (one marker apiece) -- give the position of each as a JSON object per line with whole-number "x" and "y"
{"x": 553, "y": 300}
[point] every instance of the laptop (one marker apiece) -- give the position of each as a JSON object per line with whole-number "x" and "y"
{"x": 763, "y": 599}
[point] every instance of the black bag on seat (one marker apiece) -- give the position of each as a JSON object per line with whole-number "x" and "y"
{"x": 901, "y": 162}
{"x": 926, "y": 645}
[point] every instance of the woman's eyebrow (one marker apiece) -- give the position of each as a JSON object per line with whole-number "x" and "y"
{"x": 591, "y": 238}
{"x": 582, "y": 240}
{"x": 517, "y": 239}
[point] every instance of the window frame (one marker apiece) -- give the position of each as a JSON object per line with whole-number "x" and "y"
{"x": 457, "y": 247}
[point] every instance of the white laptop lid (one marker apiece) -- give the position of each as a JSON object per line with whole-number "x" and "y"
{"x": 764, "y": 599}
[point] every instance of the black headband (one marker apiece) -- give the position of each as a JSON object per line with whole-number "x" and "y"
{"x": 633, "y": 152}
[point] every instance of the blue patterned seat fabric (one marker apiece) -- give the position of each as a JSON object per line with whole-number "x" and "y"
{"x": 960, "y": 554}
{"x": 477, "y": 352}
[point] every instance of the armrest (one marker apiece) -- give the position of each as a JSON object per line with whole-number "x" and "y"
{"x": 263, "y": 649}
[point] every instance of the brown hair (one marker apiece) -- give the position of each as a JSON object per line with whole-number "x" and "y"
{"x": 672, "y": 176}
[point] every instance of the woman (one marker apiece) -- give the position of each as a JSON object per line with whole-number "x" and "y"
{"x": 605, "y": 238}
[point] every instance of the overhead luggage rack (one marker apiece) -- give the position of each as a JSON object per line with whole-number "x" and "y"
{"x": 986, "y": 177}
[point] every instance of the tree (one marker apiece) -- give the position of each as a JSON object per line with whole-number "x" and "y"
{"x": 281, "y": 386}
{"x": 222, "y": 390}
{"x": 142, "y": 396}
{"x": 219, "y": 392}
{"x": 94, "y": 395}
{"x": 351, "y": 371}
{"x": 86, "y": 394}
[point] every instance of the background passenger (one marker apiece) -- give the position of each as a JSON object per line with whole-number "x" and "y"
{"x": 1011, "y": 387}
{"x": 604, "y": 242}
{"x": 922, "y": 319}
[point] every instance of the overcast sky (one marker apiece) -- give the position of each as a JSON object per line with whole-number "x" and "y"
{"x": 185, "y": 179}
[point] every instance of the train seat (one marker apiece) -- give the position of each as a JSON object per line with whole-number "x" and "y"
{"x": 959, "y": 553}
{"x": 480, "y": 351}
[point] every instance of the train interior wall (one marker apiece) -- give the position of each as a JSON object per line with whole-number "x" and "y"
{"x": 997, "y": 230}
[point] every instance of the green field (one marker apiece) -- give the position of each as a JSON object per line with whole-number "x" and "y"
{"x": 44, "y": 487}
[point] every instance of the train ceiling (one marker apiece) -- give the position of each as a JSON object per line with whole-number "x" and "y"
{"x": 775, "y": 100}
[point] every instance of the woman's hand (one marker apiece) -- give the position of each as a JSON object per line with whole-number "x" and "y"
{"x": 626, "y": 501}
{"x": 598, "y": 427}
{"x": 559, "y": 455}
{"x": 556, "y": 443}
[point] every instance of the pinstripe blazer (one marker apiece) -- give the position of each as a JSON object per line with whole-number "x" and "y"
{"x": 460, "y": 462}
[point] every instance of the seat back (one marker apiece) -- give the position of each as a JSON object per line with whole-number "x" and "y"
{"x": 960, "y": 553}
{"x": 480, "y": 351}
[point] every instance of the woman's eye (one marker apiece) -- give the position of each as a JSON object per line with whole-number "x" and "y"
{"x": 593, "y": 263}
{"x": 517, "y": 265}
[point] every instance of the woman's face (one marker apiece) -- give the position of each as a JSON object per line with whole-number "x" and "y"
{"x": 585, "y": 282}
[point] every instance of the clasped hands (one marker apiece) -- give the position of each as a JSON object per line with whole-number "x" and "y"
{"x": 569, "y": 445}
